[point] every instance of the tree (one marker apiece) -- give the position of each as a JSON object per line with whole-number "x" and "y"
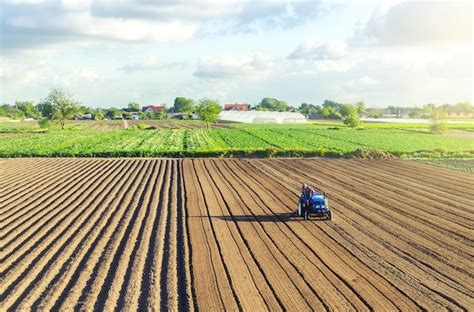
{"x": 352, "y": 120}
{"x": 272, "y": 104}
{"x": 415, "y": 112}
{"x": 184, "y": 105}
{"x": 330, "y": 112}
{"x": 28, "y": 108}
{"x": 331, "y": 104}
{"x": 162, "y": 114}
{"x": 14, "y": 113}
{"x": 133, "y": 107}
{"x": 113, "y": 113}
{"x": 375, "y": 112}
{"x": 360, "y": 107}
{"x": 438, "y": 121}
{"x": 429, "y": 107}
{"x": 464, "y": 105}
{"x": 45, "y": 109}
{"x": 208, "y": 110}
{"x": 64, "y": 106}
{"x": 99, "y": 114}
{"x": 306, "y": 109}
{"x": 347, "y": 109}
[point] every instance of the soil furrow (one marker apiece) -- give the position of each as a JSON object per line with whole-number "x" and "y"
{"x": 71, "y": 251}
{"x": 345, "y": 210}
{"x": 38, "y": 209}
{"x": 41, "y": 258}
{"x": 70, "y": 294}
{"x": 222, "y": 234}
{"x": 34, "y": 185}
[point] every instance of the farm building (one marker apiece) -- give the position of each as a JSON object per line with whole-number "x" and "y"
{"x": 151, "y": 108}
{"x": 236, "y": 107}
{"x": 459, "y": 112}
{"x": 262, "y": 117}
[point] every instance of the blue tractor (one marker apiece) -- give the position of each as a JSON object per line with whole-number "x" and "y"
{"x": 313, "y": 203}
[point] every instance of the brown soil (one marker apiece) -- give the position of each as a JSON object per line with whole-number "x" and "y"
{"x": 211, "y": 234}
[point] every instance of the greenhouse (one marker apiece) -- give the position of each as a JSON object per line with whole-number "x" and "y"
{"x": 262, "y": 117}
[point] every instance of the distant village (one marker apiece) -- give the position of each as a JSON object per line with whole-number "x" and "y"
{"x": 171, "y": 112}
{"x": 460, "y": 110}
{"x": 186, "y": 108}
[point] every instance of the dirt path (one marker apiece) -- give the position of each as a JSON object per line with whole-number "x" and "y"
{"x": 207, "y": 234}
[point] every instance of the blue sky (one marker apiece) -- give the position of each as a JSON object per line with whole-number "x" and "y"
{"x": 110, "y": 53}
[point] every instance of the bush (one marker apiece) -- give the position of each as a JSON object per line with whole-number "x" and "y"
{"x": 438, "y": 127}
{"x": 352, "y": 120}
{"x": 43, "y": 123}
{"x": 438, "y": 124}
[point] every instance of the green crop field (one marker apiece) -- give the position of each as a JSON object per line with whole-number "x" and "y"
{"x": 326, "y": 139}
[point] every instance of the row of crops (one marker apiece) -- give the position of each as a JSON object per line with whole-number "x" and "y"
{"x": 241, "y": 140}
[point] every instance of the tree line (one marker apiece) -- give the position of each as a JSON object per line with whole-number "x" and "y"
{"x": 60, "y": 105}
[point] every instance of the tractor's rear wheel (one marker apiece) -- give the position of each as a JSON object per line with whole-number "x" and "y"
{"x": 298, "y": 209}
{"x": 329, "y": 215}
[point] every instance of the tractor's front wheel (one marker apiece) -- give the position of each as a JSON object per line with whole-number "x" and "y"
{"x": 298, "y": 209}
{"x": 329, "y": 215}
{"x": 306, "y": 213}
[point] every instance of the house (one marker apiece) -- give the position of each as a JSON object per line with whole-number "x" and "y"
{"x": 236, "y": 107}
{"x": 151, "y": 108}
{"x": 134, "y": 116}
{"x": 459, "y": 112}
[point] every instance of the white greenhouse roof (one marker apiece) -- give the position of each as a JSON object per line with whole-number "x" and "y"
{"x": 262, "y": 117}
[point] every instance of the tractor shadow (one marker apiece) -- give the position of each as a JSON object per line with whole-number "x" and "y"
{"x": 276, "y": 217}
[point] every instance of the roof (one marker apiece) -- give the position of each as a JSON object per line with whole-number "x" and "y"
{"x": 318, "y": 197}
{"x": 236, "y": 106}
{"x": 153, "y": 108}
{"x": 451, "y": 109}
{"x": 261, "y": 117}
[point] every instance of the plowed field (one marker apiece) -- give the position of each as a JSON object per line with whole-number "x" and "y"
{"x": 213, "y": 234}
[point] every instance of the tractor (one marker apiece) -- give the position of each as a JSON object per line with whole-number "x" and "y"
{"x": 313, "y": 203}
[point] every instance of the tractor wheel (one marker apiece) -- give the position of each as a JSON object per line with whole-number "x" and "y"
{"x": 306, "y": 214}
{"x": 298, "y": 209}
{"x": 328, "y": 215}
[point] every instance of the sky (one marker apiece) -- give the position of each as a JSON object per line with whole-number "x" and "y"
{"x": 109, "y": 53}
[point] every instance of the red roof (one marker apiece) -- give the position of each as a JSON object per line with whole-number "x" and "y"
{"x": 237, "y": 107}
{"x": 153, "y": 108}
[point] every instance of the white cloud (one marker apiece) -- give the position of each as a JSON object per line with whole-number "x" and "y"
{"x": 28, "y": 26}
{"x": 232, "y": 67}
{"x": 132, "y": 30}
{"x": 364, "y": 83}
{"x": 312, "y": 50}
{"x": 86, "y": 74}
{"x": 367, "y": 80}
{"x": 23, "y": 1}
{"x": 418, "y": 22}
{"x": 151, "y": 63}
